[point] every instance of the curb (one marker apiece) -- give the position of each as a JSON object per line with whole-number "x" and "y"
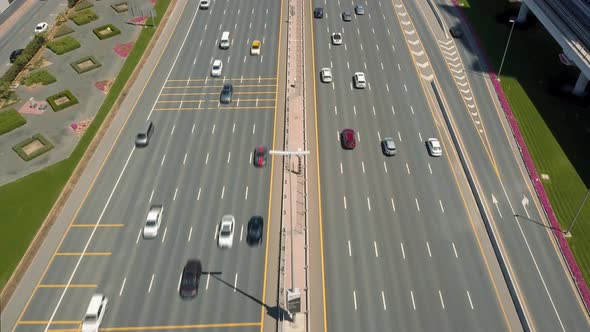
{"x": 55, "y": 211}
{"x": 532, "y": 171}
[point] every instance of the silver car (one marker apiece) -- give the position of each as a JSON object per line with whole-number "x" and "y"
{"x": 360, "y": 81}
{"x": 153, "y": 222}
{"x": 216, "y": 68}
{"x": 326, "y": 75}
{"x": 388, "y": 146}
{"x": 337, "y": 38}
{"x": 359, "y": 10}
{"x": 434, "y": 147}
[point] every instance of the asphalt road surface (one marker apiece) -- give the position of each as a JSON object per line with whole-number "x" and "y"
{"x": 198, "y": 165}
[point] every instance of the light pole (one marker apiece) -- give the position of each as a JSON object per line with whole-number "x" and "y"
{"x": 513, "y": 21}
{"x": 567, "y": 232}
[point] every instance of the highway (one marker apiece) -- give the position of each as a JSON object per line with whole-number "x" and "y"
{"x": 403, "y": 243}
{"x": 19, "y": 32}
{"x": 198, "y": 165}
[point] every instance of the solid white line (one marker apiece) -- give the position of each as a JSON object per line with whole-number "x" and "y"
{"x": 151, "y": 283}
{"x": 369, "y": 203}
{"x": 345, "y": 203}
{"x": 172, "y": 131}
{"x": 222, "y": 192}
{"x": 349, "y": 249}
{"x": 193, "y": 130}
{"x": 207, "y": 159}
{"x": 151, "y": 196}
{"x": 403, "y": 251}
{"x": 469, "y": 297}
{"x": 413, "y": 302}
{"x": 428, "y": 246}
{"x": 408, "y": 168}
{"x": 441, "y": 299}
{"x": 164, "y": 236}
{"x": 429, "y": 168}
{"x": 184, "y": 161}
{"x": 175, "y": 192}
{"x": 163, "y": 158}
{"x": 190, "y": 234}
{"x": 392, "y": 204}
{"x": 385, "y": 166}
{"x": 341, "y": 171}
{"x": 122, "y": 286}
{"x": 246, "y": 196}
{"x": 199, "y": 194}
{"x": 179, "y": 281}
{"x": 138, "y": 235}
{"x": 417, "y": 205}
{"x": 354, "y": 297}
{"x": 383, "y": 298}
{"x": 228, "y": 157}
{"x": 207, "y": 284}
{"x": 376, "y": 251}
{"x": 363, "y": 165}
{"x": 441, "y": 206}
{"x": 235, "y": 282}
{"x": 455, "y": 250}
{"x": 241, "y": 232}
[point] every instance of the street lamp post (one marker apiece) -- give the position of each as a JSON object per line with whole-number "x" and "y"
{"x": 567, "y": 232}
{"x": 513, "y": 21}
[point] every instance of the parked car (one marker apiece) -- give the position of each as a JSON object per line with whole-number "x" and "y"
{"x": 15, "y": 54}
{"x": 41, "y": 27}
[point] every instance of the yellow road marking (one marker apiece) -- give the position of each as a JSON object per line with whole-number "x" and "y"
{"x": 70, "y": 286}
{"x": 227, "y": 79}
{"x": 84, "y": 253}
{"x": 99, "y": 170}
{"x": 94, "y": 225}
{"x": 211, "y": 100}
{"x": 317, "y": 154}
{"x": 220, "y": 108}
{"x": 272, "y": 163}
{"x": 220, "y": 86}
{"x": 179, "y": 327}
{"x": 448, "y": 159}
{"x": 42, "y": 322}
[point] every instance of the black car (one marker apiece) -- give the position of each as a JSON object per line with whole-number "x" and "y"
{"x": 346, "y": 16}
{"x": 226, "y": 93}
{"x": 456, "y": 32}
{"x": 255, "y": 227}
{"x": 15, "y": 54}
{"x": 189, "y": 284}
{"x": 260, "y": 156}
{"x": 318, "y": 12}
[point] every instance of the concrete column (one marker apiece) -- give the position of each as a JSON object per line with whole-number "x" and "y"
{"x": 580, "y": 86}
{"x": 522, "y": 13}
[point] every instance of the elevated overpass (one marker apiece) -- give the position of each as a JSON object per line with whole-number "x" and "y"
{"x": 568, "y": 21}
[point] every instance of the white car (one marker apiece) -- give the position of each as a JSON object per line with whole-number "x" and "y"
{"x": 204, "y": 4}
{"x": 95, "y": 313}
{"x": 337, "y": 38}
{"x": 434, "y": 147}
{"x": 153, "y": 222}
{"x": 326, "y": 75}
{"x": 41, "y": 27}
{"x": 226, "y": 231}
{"x": 360, "y": 82}
{"x": 216, "y": 68}
{"x": 255, "y": 48}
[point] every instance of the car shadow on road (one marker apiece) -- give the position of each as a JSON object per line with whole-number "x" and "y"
{"x": 276, "y": 312}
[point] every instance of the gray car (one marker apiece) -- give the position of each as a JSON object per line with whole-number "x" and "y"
{"x": 388, "y": 147}
{"x": 226, "y": 93}
{"x": 359, "y": 10}
{"x": 346, "y": 16}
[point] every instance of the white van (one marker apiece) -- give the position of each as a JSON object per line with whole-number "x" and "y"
{"x": 94, "y": 313}
{"x": 224, "y": 42}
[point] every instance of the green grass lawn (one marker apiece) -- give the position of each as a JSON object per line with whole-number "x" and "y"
{"x": 26, "y": 202}
{"x": 39, "y": 77}
{"x": 552, "y": 128}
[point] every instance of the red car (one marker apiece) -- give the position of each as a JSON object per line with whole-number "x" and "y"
{"x": 347, "y": 139}
{"x": 260, "y": 156}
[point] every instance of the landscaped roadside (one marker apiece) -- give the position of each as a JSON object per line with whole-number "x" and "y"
{"x": 553, "y": 129}
{"x": 26, "y": 202}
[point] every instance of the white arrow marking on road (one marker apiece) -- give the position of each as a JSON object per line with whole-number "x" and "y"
{"x": 495, "y": 202}
{"x": 525, "y": 202}
{"x": 122, "y": 286}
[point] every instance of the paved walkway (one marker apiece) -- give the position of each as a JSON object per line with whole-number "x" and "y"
{"x": 63, "y": 128}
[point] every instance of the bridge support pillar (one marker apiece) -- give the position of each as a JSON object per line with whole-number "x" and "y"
{"x": 522, "y": 13}
{"x": 580, "y": 86}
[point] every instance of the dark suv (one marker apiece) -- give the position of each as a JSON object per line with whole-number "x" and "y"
{"x": 189, "y": 284}
{"x": 318, "y": 12}
{"x": 226, "y": 93}
{"x": 255, "y": 227}
{"x": 15, "y": 54}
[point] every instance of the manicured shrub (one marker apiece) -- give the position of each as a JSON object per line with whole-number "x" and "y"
{"x": 72, "y": 3}
{"x": 66, "y": 93}
{"x": 79, "y": 68}
{"x": 83, "y": 5}
{"x": 84, "y": 17}
{"x": 10, "y": 120}
{"x": 19, "y": 148}
{"x": 12, "y": 72}
{"x": 40, "y": 76}
{"x": 63, "y": 45}
{"x": 110, "y": 29}
{"x": 62, "y": 30}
